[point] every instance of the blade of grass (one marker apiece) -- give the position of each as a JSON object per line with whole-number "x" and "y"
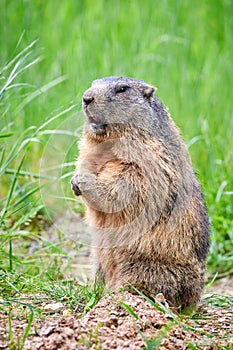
{"x": 10, "y": 194}
{"x": 154, "y": 343}
{"x": 40, "y": 91}
{"x": 27, "y": 329}
{"x": 20, "y": 54}
{"x": 158, "y": 305}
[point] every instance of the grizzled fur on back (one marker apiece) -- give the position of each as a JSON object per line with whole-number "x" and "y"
{"x": 143, "y": 201}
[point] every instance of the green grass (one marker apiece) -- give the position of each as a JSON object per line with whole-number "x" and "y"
{"x": 48, "y": 56}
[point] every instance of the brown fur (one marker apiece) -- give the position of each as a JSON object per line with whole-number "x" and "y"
{"x": 143, "y": 200}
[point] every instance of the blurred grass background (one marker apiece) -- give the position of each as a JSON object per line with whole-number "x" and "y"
{"x": 49, "y": 54}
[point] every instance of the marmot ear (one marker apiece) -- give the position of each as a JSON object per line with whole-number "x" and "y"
{"x": 148, "y": 91}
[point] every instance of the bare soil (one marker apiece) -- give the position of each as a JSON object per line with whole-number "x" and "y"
{"x": 122, "y": 321}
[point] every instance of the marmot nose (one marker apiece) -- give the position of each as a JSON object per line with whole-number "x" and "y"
{"x": 87, "y": 100}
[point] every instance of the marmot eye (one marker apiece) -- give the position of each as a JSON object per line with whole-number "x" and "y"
{"x": 121, "y": 89}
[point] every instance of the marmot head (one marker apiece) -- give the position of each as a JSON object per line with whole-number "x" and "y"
{"x": 114, "y": 103}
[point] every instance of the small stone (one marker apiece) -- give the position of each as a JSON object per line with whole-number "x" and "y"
{"x": 53, "y": 307}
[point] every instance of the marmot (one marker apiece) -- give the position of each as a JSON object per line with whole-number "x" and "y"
{"x": 142, "y": 198}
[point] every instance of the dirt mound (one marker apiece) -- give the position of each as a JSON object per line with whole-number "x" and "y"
{"x": 128, "y": 321}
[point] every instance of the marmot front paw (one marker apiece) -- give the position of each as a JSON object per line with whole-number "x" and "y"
{"x": 75, "y": 186}
{"x": 82, "y": 184}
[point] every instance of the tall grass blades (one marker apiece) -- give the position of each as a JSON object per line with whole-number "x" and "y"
{"x": 20, "y": 200}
